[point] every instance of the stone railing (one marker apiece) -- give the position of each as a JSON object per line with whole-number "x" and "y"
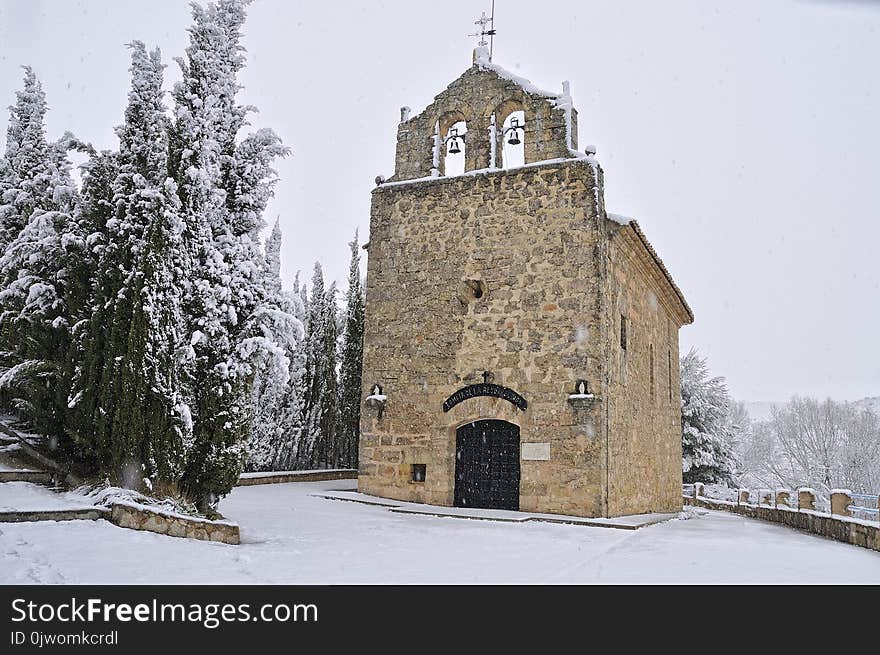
{"x": 797, "y": 510}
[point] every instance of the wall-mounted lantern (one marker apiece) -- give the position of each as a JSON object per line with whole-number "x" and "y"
{"x": 376, "y": 400}
{"x": 582, "y": 397}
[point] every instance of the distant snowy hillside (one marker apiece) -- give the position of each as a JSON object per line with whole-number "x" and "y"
{"x": 872, "y": 403}
{"x": 759, "y": 410}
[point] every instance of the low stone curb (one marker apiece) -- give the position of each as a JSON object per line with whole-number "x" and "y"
{"x": 850, "y": 531}
{"x": 281, "y": 477}
{"x": 84, "y": 514}
{"x": 634, "y": 522}
{"x": 139, "y": 517}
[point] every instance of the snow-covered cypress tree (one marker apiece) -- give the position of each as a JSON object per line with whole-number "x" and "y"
{"x": 273, "y": 260}
{"x": 88, "y": 416}
{"x": 39, "y": 199}
{"x": 351, "y": 360}
{"x": 293, "y": 413}
{"x": 27, "y": 177}
{"x": 273, "y": 351}
{"x": 326, "y": 449}
{"x": 94, "y": 211}
{"x": 157, "y": 420}
{"x": 707, "y": 454}
{"x": 319, "y": 401}
{"x": 151, "y": 420}
{"x": 223, "y": 186}
{"x": 126, "y": 398}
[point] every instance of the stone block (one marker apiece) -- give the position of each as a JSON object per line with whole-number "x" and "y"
{"x": 841, "y": 499}
{"x": 806, "y": 499}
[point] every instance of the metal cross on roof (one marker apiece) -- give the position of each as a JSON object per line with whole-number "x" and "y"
{"x": 483, "y": 21}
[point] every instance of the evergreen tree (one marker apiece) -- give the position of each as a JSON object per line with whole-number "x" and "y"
{"x": 27, "y": 179}
{"x": 93, "y": 215}
{"x": 157, "y": 421}
{"x": 275, "y": 344}
{"x": 223, "y": 187}
{"x": 39, "y": 199}
{"x": 351, "y": 360}
{"x": 319, "y": 401}
{"x": 292, "y": 431}
{"x": 126, "y": 399}
{"x": 707, "y": 454}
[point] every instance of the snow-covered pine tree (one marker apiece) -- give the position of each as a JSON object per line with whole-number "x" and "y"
{"x": 707, "y": 454}
{"x": 39, "y": 199}
{"x": 223, "y": 187}
{"x": 351, "y": 360}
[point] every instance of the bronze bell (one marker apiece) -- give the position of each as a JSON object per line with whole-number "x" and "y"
{"x": 453, "y": 147}
{"x": 514, "y": 129}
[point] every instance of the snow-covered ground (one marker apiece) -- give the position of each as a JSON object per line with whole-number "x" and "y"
{"x": 26, "y": 496}
{"x": 291, "y": 537}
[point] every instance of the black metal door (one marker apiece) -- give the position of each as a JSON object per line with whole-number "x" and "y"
{"x": 487, "y": 465}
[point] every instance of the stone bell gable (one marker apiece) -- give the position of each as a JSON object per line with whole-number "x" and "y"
{"x": 520, "y": 343}
{"x": 485, "y": 95}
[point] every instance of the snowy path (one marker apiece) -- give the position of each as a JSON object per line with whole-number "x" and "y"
{"x": 289, "y": 536}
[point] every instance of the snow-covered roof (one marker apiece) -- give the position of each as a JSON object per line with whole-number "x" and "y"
{"x": 620, "y": 219}
{"x": 481, "y": 61}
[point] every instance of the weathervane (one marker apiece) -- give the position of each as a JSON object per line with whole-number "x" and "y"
{"x": 484, "y": 21}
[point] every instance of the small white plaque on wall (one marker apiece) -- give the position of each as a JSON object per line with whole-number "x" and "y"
{"x": 536, "y": 451}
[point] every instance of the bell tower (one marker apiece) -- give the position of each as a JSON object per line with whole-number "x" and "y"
{"x": 470, "y": 115}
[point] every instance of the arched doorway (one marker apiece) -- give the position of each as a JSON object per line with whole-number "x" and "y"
{"x": 487, "y": 465}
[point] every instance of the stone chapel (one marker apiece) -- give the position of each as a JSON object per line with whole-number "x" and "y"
{"x": 520, "y": 342}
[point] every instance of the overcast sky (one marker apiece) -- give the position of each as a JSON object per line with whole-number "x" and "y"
{"x": 744, "y": 136}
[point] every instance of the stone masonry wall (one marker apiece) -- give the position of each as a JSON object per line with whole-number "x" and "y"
{"x": 644, "y": 413}
{"x": 529, "y": 238}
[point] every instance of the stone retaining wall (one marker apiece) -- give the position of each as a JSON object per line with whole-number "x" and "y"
{"x": 139, "y": 517}
{"x": 37, "y": 477}
{"x": 852, "y": 531}
{"x": 278, "y": 477}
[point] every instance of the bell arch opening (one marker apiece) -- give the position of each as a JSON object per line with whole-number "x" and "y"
{"x": 455, "y": 149}
{"x": 509, "y": 125}
{"x": 513, "y": 140}
{"x": 450, "y": 143}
